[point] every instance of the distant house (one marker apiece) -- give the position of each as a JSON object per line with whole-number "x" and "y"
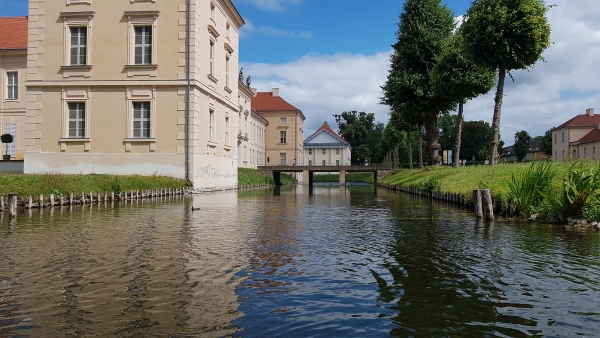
{"x": 577, "y": 138}
{"x": 326, "y": 147}
{"x": 13, "y": 70}
{"x": 534, "y": 153}
{"x": 284, "y": 128}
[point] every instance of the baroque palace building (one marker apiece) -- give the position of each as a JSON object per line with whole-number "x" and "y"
{"x": 132, "y": 87}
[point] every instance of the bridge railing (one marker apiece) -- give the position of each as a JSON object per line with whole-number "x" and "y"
{"x": 326, "y": 164}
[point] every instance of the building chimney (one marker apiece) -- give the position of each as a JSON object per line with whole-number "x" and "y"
{"x": 275, "y": 91}
{"x": 589, "y": 112}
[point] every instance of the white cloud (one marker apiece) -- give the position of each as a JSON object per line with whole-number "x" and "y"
{"x": 545, "y": 96}
{"x": 273, "y": 5}
{"x": 249, "y": 28}
{"x": 323, "y": 85}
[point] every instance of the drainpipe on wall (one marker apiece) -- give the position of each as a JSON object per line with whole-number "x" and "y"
{"x": 187, "y": 94}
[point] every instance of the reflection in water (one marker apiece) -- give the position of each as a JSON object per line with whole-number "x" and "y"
{"x": 292, "y": 261}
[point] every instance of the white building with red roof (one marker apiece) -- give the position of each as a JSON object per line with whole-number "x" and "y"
{"x": 13, "y": 70}
{"x": 326, "y": 147}
{"x": 578, "y": 138}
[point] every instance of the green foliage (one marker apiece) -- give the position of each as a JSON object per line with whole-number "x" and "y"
{"x": 591, "y": 212}
{"x": 55, "y": 183}
{"x": 475, "y": 140}
{"x": 424, "y": 30}
{"x": 354, "y": 127}
{"x": 6, "y": 138}
{"x": 581, "y": 186}
{"x": 528, "y": 188}
{"x": 432, "y": 183}
{"x": 507, "y": 34}
{"x": 521, "y": 146}
{"x": 547, "y": 142}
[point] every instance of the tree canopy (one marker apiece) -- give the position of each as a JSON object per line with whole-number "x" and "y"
{"x": 505, "y": 35}
{"x": 424, "y": 29}
{"x": 521, "y": 146}
{"x": 363, "y": 134}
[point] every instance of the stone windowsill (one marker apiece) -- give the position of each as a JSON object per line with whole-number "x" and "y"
{"x": 140, "y": 139}
{"x": 212, "y": 78}
{"x": 75, "y": 139}
{"x": 227, "y": 89}
{"x": 211, "y": 144}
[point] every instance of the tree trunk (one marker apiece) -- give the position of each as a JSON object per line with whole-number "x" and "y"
{"x": 410, "y": 151}
{"x": 458, "y": 134}
{"x": 420, "y": 147}
{"x": 497, "y": 111}
{"x": 433, "y": 147}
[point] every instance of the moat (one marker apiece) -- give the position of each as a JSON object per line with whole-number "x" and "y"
{"x": 329, "y": 261}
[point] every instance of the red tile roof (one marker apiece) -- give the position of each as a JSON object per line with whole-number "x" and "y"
{"x": 265, "y": 101}
{"x": 583, "y": 120}
{"x": 328, "y": 129}
{"x": 13, "y": 32}
{"x": 592, "y": 136}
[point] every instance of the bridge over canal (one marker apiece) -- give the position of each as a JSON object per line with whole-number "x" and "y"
{"x": 309, "y": 170}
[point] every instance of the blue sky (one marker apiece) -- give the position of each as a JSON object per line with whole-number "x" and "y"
{"x": 330, "y": 56}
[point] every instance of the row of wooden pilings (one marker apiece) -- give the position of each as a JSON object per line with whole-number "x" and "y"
{"x": 482, "y": 199}
{"x": 13, "y": 203}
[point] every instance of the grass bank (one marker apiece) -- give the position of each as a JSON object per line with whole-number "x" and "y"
{"x": 350, "y": 177}
{"x": 53, "y": 183}
{"x": 571, "y": 187}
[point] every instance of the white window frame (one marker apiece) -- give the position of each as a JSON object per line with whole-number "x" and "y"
{"x": 337, "y": 151}
{"x": 309, "y": 162}
{"x": 143, "y": 45}
{"x": 323, "y": 162}
{"x": 136, "y": 95}
{"x": 79, "y": 46}
{"x": 76, "y": 95}
{"x": 337, "y": 163}
{"x": 226, "y": 130}
{"x": 211, "y": 127}
{"x": 79, "y": 120}
{"x": 227, "y": 71}
{"x": 211, "y": 58}
{"x": 283, "y": 120}
{"x": 283, "y": 137}
{"x": 10, "y": 128}
{"x": 77, "y": 20}
{"x": 141, "y": 107}
{"x": 310, "y": 152}
{"x": 142, "y": 19}
{"x": 324, "y": 151}
{"x": 282, "y": 158}
{"x": 15, "y": 86}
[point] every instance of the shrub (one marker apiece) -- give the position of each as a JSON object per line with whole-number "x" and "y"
{"x": 528, "y": 189}
{"x": 431, "y": 183}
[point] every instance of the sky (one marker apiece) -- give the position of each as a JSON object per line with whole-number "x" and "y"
{"x": 331, "y": 56}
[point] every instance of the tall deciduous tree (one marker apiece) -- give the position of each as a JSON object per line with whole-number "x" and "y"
{"x": 506, "y": 35}
{"x": 521, "y": 146}
{"x": 423, "y": 31}
{"x": 354, "y": 127}
{"x": 547, "y": 142}
{"x": 459, "y": 79}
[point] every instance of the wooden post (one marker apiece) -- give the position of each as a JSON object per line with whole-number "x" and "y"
{"x": 91, "y": 197}
{"x": 41, "y": 201}
{"x": 61, "y": 200}
{"x": 51, "y": 200}
{"x": 30, "y": 202}
{"x": 1, "y": 202}
{"x": 112, "y": 196}
{"x": 82, "y": 198}
{"x": 71, "y": 198}
{"x": 12, "y": 205}
{"x": 477, "y": 203}
{"x": 488, "y": 207}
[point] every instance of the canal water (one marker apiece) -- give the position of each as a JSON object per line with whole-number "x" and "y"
{"x": 293, "y": 262}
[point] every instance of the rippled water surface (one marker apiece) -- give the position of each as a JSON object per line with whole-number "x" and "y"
{"x": 293, "y": 262}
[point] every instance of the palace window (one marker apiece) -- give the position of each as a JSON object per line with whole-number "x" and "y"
{"x": 282, "y": 137}
{"x": 78, "y": 47}
{"x": 76, "y": 119}
{"x": 12, "y": 85}
{"x": 141, "y": 119}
